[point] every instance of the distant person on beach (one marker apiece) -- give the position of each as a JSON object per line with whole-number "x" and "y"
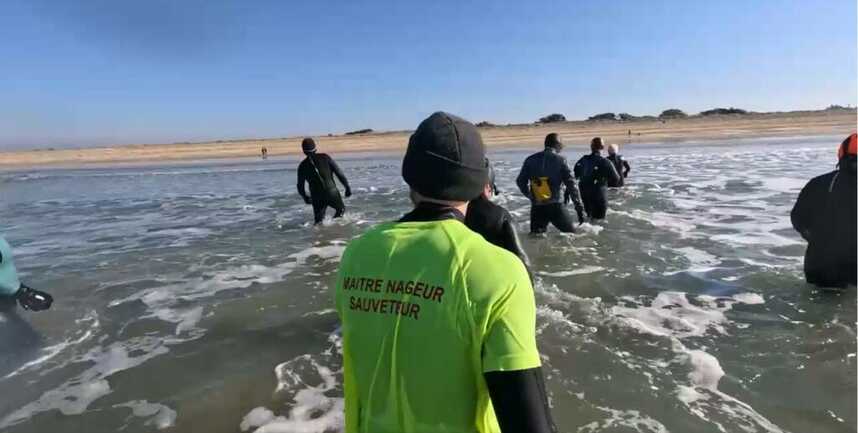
{"x": 620, "y": 164}
{"x": 594, "y": 172}
{"x": 264, "y": 153}
{"x": 318, "y": 169}
{"x": 825, "y": 216}
{"x": 494, "y": 222}
{"x": 438, "y": 324}
{"x": 11, "y": 288}
{"x": 541, "y": 177}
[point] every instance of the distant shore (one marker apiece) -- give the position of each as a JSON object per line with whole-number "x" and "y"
{"x": 573, "y": 133}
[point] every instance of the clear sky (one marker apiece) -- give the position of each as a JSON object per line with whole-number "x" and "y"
{"x": 95, "y": 72}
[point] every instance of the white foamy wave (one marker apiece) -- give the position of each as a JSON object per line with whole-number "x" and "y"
{"x": 699, "y": 261}
{"x": 74, "y": 396}
{"x": 673, "y": 316}
{"x": 334, "y": 251}
{"x": 579, "y": 271}
{"x": 50, "y": 352}
{"x": 160, "y": 416}
{"x": 631, "y": 419}
{"x": 308, "y": 380}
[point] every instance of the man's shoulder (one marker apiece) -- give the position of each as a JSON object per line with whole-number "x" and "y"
{"x": 559, "y": 157}
{"x": 489, "y": 261}
{"x": 822, "y": 181}
{"x": 533, "y": 157}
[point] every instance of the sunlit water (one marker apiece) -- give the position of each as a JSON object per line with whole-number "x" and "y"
{"x": 197, "y": 298}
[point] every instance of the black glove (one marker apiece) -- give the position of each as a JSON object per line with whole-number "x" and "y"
{"x": 567, "y": 198}
{"x": 348, "y": 192}
{"x": 307, "y": 200}
{"x": 580, "y": 216}
{"x": 33, "y": 300}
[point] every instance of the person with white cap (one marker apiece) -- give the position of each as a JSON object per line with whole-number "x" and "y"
{"x": 620, "y": 163}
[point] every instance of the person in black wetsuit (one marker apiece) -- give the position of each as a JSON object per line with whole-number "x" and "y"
{"x": 318, "y": 169}
{"x": 494, "y": 222}
{"x": 825, "y": 216}
{"x": 595, "y": 172}
{"x": 541, "y": 178}
{"x": 620, "y": 164}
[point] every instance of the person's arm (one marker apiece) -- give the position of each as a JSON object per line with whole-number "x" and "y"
{"x": 626, "y": 168}
{"x": 611, "y": 172}
{"x": 302, "y": 179}
{"x": 523, "y": 180}
{"x": 572, "y": 193}
{"x": 803, "y": 212}
{"x": 511, "y": 363}
{"x": 520, "y": 401}
{"x": 577, "y": 169}
{"x": 12, "y": 288}
{"x": 511, "y": 242}
{"x": 340, "y": 175}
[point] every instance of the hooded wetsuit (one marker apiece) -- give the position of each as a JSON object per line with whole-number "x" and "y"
{"x": 318, "y": 169}
{"x": 594, "y": 173}
{"x": 623, "y": 168}
{"x": 542, "y": 177}
{"x": 825, "y": 216}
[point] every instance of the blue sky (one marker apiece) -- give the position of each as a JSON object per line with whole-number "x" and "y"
{"x": 96, "y": 72}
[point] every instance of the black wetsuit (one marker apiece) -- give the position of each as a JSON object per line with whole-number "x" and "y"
{"x": 318, "y": 169}
{"x": 552, "y": 168}
{"x": 519, "y": 398}
{"x": 594, "y": 173}
{"x": 495, "y": 224}
{"x": 623, "y": 168}
{"x": 825, "y": 215}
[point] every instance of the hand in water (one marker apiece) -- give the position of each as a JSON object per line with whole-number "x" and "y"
{"x": 33, "y": 300}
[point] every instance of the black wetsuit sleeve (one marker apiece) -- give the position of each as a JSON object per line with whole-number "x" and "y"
{"x": 626, "y": 168}
{"x": 577, "y": 169}
{"x": 612, "y": 176}
{"x": 302, "y": 179}
{"x": 520, "y": 401}
{"x": 523, "y": 180}
{"x": 806, "y": 207}
{"x": 572, "y": 193}
{"x": 339, "y": 173}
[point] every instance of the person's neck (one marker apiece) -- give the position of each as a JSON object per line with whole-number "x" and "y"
{"x": 596, "y": 152}
{"x": 459, "y": 206}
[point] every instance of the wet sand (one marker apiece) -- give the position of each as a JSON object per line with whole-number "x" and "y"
{"x": 574, "y": 133}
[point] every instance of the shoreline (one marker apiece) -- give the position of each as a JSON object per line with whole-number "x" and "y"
{"x": 573, "y": 133}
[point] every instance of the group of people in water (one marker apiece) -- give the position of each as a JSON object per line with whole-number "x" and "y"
{"x": 437, "y": 309}
{"x": 469, "y": 361}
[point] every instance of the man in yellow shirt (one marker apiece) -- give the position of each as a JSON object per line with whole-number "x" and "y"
{"x": 439, "y": 324}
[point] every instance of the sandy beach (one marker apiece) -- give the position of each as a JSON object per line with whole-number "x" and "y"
{"x": 574, "y": 133}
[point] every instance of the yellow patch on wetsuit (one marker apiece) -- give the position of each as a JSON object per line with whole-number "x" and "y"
{"x": 541, "y": 189}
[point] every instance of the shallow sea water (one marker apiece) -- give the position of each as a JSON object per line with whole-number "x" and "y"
{"x": 196, "y": 298}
